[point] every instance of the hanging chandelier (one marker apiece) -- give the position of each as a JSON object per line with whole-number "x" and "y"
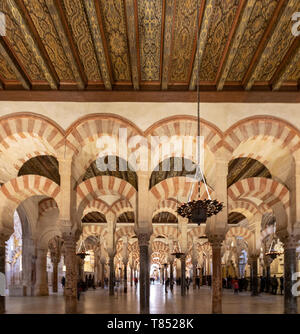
{"x": 81, "y": 250}
{"x": 197, "y": 211}
{"x": 273, "y": 251}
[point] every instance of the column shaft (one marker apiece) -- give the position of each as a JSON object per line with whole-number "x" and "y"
{"x": 71, "y": 274}
{"x": 290, "y": 267}
{"x": 54, "y": 276}
{"x": 254, "y": 276}
{"x": 183, "y": 285}
{"x": 111, "y": 275}
{"x": 216, "y": 278}
{"x": 125, "y": 277}
{"x": 2, "y": 276}
{"x": 41, "y": 285}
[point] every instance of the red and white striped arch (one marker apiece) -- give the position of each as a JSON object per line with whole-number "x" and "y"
{"x": 124, "y": 231}
{"x": 91, "y": 229}
{"x": 239, "y": 231}
{"x": 93, "y": 188}
{"x": 187, "y": 126}
{"x": 46, "y": 205}
{"x": 121, "y": 206}
{"x": 23, "y": 136}
{"x": 165, "y": 231}
{"x": 15, "y": 191}
{"x": 168, "y": 205}
{"x": 160, "y": 247}
{"x": 245, "y": 207}
{"x": 178, "y": 187}
{"x": 267, "y": 190}
{"x": 270, "y": 140}
{"x": 96, "y": 205}
{"x": 177, "y": 128}
{"x": 84, "y": 134}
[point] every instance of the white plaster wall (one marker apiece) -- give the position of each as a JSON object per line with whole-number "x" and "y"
{"x": 143, "y": 115}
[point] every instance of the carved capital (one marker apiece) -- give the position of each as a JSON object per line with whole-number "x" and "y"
{"x": 143, "y": 239}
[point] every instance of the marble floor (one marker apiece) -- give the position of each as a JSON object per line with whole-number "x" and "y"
{"x": 195, "y": 302}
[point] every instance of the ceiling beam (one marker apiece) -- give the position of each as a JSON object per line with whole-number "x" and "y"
{"x": 56, "y": 19}
{"x": 15, "y": 67}
{"x": 289, "y": 63}
{"x": 94, "y": 23}
{"x": 152, "y": 96}
{"x": 132, "y": 33}
{"x": 27, "y": 30}
{"x": 201, "y": 45}
{"x": 265, "y": 48}
{"x": 234, "y": 40}
{"x": 170, "y": 9}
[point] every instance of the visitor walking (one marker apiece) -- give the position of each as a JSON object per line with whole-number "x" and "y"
{"x": 167, "y": 283}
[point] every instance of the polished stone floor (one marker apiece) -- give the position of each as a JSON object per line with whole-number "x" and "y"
{"x": 195, "y": 302}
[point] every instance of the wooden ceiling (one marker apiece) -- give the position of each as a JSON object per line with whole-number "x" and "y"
{"x": 113, "y": 45}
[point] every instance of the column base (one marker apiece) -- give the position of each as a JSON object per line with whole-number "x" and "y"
{"x": 70, "y": 305}
{"x": 41, "y": 291}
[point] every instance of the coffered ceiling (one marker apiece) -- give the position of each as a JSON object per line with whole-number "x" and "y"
{"x": 117, "y": 45}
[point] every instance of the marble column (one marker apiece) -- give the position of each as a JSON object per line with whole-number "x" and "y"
{"x": 125, "y": 276}
{"x": 131, "y": 276}
{"x": 290, "y": 267}
{"x": 216, "y": 277}
{"x": 111, "y": 274}
{"x": 253, "y": 264}
{"x": 183, "y": 285}
{"x": 71, "y": 274}
{"x": 2, "y": 274}
{"x": 194, "y": 274}
{"x": 55, "y": 276}
{"x": 41, "y": 285}
{"x": 171, "y": 273}
{"x": 143, "y": 240}
{"x": 102, "y": 272}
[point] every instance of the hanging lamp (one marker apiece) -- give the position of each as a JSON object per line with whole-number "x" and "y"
{"x": 197, "y": 211}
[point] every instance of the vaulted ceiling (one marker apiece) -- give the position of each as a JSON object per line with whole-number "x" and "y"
{"x": 149, "y": 45}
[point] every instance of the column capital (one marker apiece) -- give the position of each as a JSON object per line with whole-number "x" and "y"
{"x": 216, "y": 240}
{"x": 5, "y": 234}
{"x": 143, "y": 239}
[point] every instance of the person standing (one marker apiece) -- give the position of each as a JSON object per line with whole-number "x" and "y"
{"x": 274, "y": 284}
{"x": 63, "y": 281}
{"x": 235, "y": 284}
{"x": 281, "y": 285}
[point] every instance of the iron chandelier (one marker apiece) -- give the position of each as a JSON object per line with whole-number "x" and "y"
{"x": 198, "y": 211}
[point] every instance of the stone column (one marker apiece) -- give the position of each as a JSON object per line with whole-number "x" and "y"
{"x": 103, "y": 261}
{"x": 183, "y": 285}
{"x": 2, "y": 273}
{"x": 143, "y": 239}
{"x": 253, "y": 268}
{"x": 125, "y": 275}
{"x": 216, "y": 276}
{"x": 71, "y": 273}
{"x": 54, "y": 276}
{"x": 171, "y": 272}
{"x": 111, "y": 274}
{"x": 290, "y": 267}
{"x": 131, "y": 275}
{"x": 194, "y": 274}
{"x": 41, "y": 285}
